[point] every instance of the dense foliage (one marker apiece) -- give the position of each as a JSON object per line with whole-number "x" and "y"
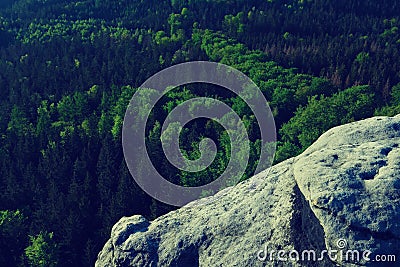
{"x": 69, "y": 68}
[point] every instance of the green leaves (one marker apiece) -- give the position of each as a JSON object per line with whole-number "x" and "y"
{"x": 42, "y": 251}
{"x": 73, "y": 108}
{"x": 362, "y": 57}
{"x": 394, "y": 106}
{"x": 323, "y": 113}
{"x": 12, "y": 236}
{"x": 395, "y": 94}
{"x": 19, "y": 124}
{"x": 234, "y": 24}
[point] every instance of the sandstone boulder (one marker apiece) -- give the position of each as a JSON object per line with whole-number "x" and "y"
{"x": 342, "y": 195}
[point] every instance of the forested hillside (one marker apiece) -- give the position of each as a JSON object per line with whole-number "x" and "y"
{"x": 69, "y": 68}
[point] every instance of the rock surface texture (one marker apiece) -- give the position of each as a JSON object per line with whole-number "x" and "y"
{"x": 342, "y": 194}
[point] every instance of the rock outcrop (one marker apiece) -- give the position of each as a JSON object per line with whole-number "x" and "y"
{"x": 341, "y": 195}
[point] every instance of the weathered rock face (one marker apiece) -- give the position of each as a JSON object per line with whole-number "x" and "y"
{"x": 342, "y": 193}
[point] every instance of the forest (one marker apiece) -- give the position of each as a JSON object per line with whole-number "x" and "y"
{"x": 69, "y": 68}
